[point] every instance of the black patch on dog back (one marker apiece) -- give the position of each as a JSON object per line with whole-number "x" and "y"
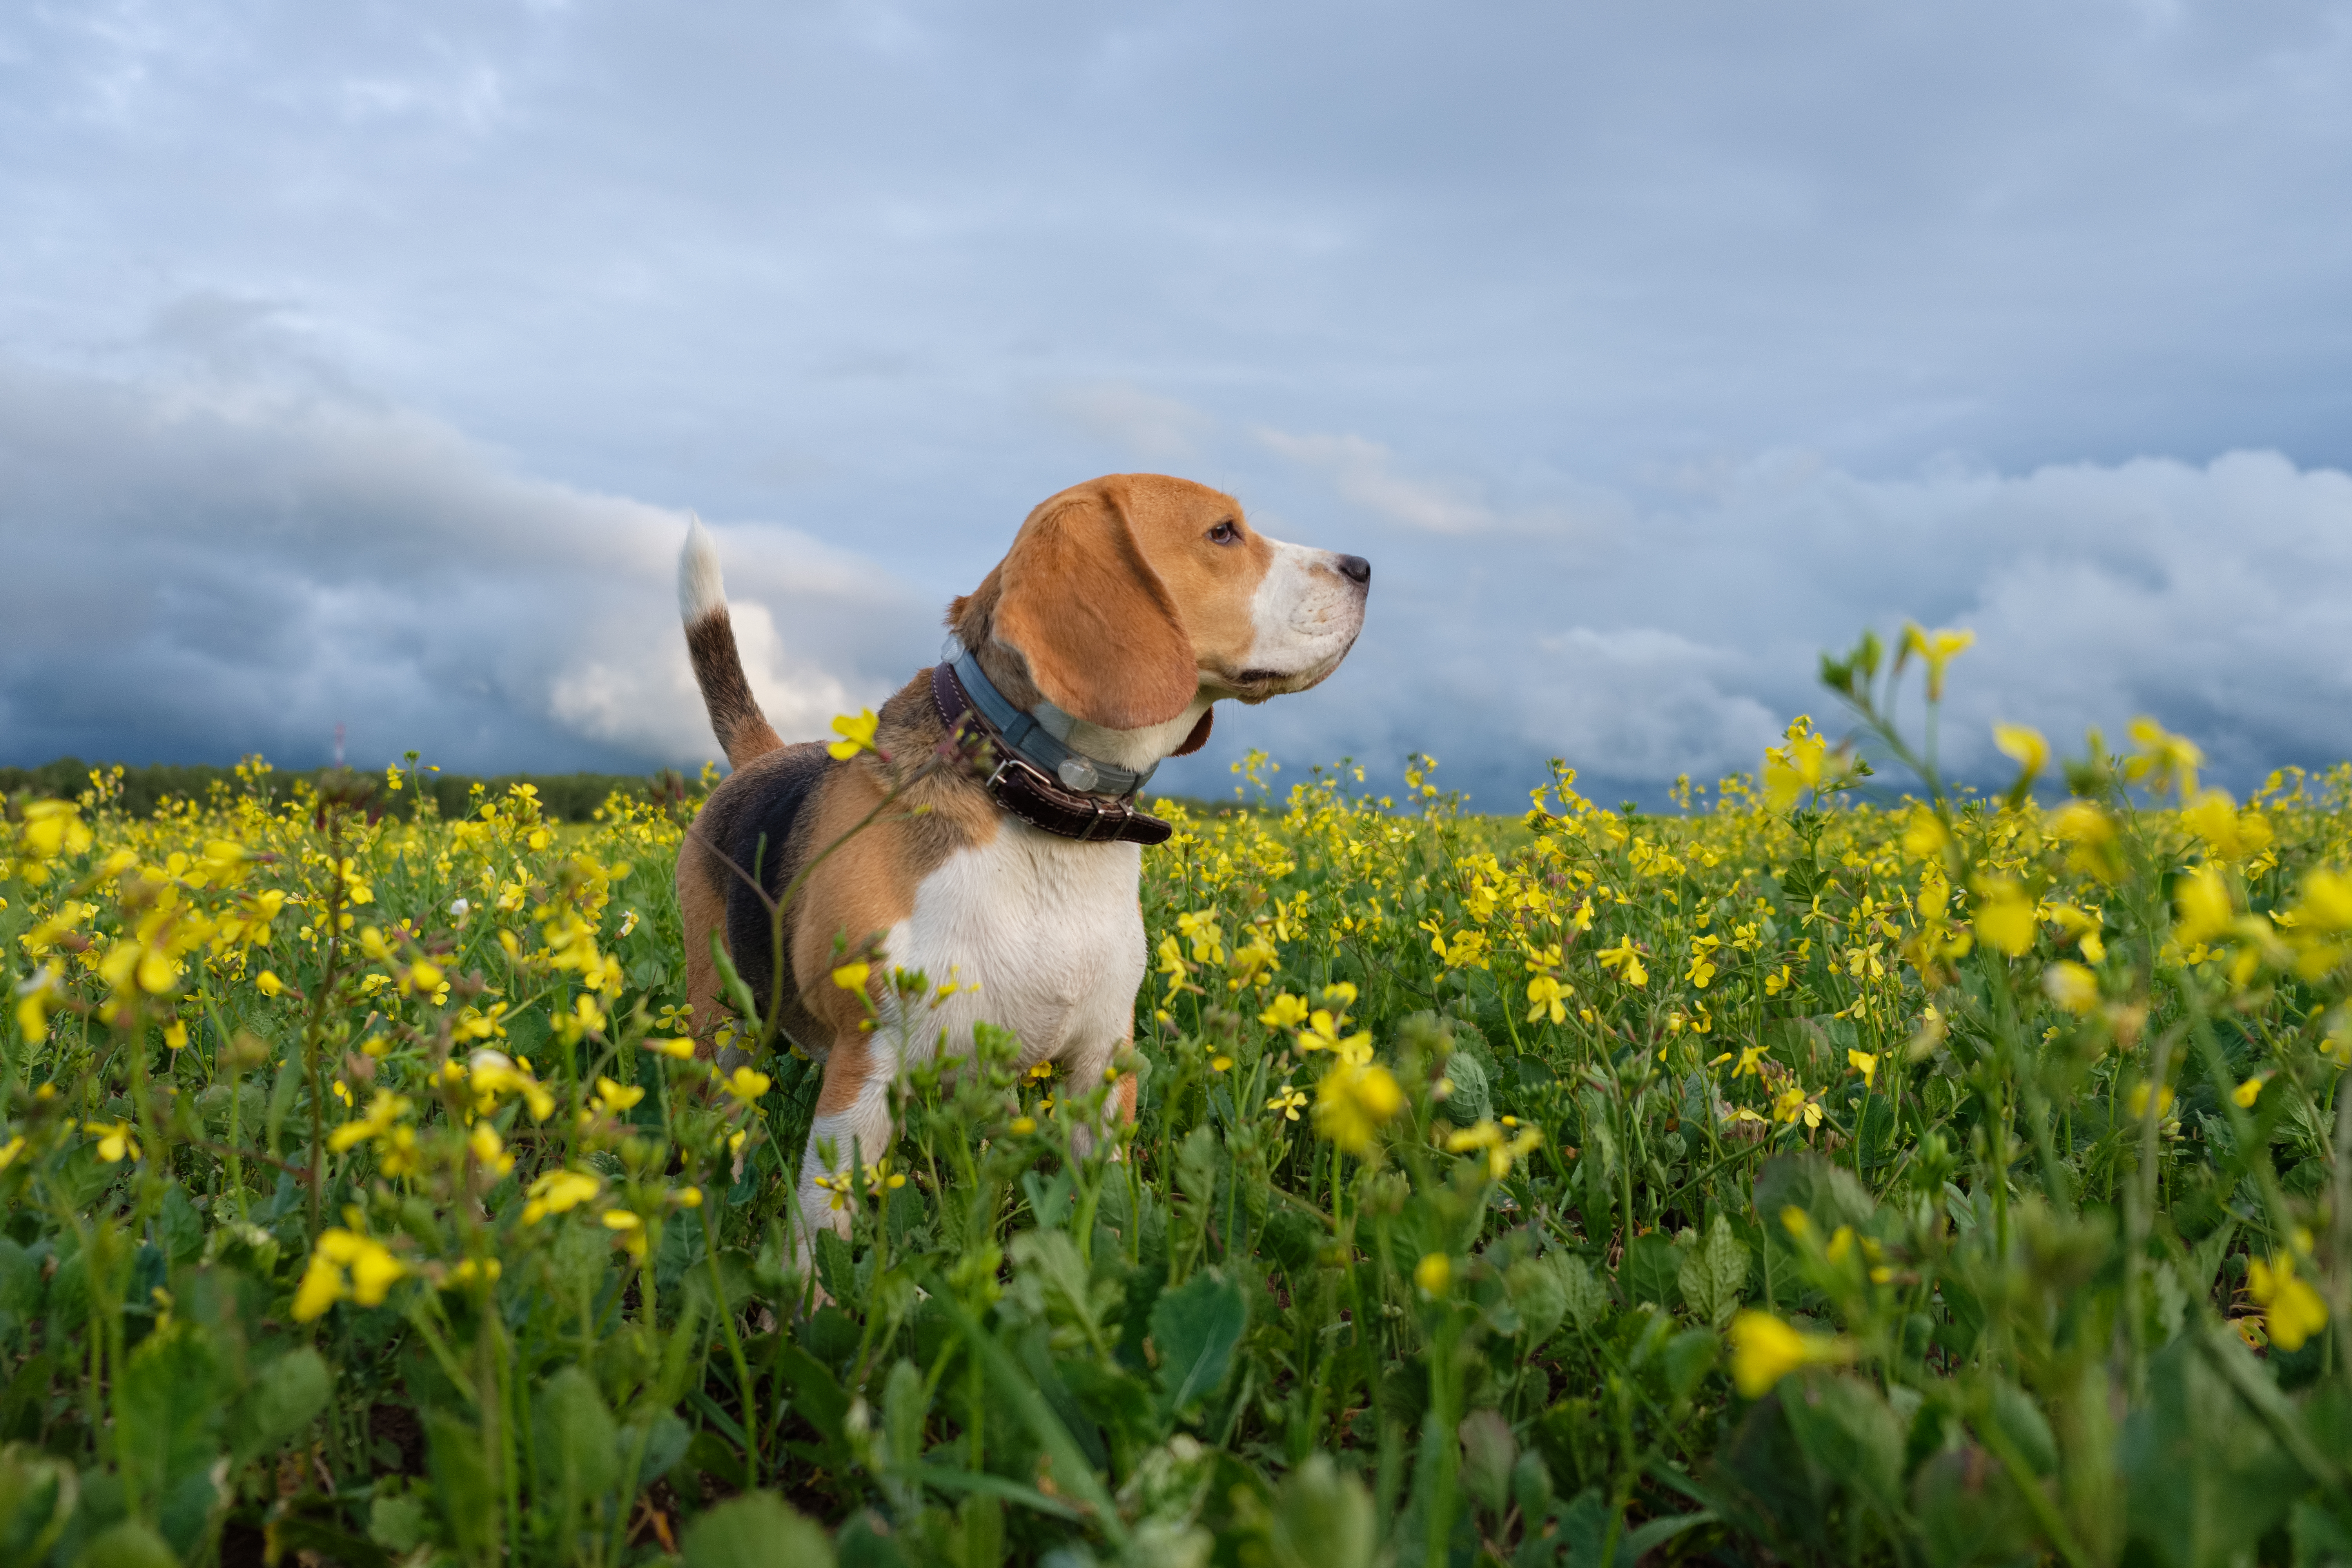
{"x": 750, "y": 821}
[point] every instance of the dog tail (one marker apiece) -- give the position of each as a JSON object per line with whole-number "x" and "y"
{"x": 742, "y": 729}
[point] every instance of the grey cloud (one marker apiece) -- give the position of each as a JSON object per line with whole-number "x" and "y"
{"x": 1645, "y": 349}
{"x": 204, "y": 568}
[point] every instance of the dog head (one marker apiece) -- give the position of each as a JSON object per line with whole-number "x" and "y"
{"x": 1135, "y": 600}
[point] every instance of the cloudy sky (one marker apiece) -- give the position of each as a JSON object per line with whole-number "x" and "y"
{"x": 358, "y": 362}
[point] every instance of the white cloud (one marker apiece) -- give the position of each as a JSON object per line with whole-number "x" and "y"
{"x": 1364, "y": 473}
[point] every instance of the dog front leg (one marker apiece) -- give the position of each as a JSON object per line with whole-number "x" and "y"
{"x": 1088, "y": 1072}
{"x": 852, "y": 1129}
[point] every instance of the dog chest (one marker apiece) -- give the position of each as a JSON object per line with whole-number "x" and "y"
{"x": 1048, "y": 929}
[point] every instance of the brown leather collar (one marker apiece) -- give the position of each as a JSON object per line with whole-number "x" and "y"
{"x": 1034, "y": 795}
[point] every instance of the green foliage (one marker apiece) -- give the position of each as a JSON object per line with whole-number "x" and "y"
{"x": 1946, "y": 1182}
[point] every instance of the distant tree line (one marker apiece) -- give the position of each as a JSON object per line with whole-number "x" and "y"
{"x": 566, "y": 797}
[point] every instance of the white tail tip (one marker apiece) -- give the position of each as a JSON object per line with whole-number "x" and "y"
{"x": 700, "y": 589}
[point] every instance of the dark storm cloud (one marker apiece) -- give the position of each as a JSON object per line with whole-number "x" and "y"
{"x": 1647, "y": 348}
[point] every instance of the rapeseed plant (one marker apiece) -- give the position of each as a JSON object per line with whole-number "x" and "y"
{"x": 1820, "y": 1171}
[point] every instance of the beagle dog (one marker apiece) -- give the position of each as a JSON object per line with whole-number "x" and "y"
{"x": 1125, "y": 609}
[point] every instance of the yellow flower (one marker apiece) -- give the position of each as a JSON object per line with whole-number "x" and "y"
{"x": 1937, "y": 649}
{"x": 2136, "y": 1100}
{"x": 558, "y": 1192}
{"x": 2004, "y": 919}
{"x": 2327, "y": 901}
{"x": 2026, "y": 747}
{"x": 485, "y": 1270}
{"x": 1322, "y": 1034}
{"x": 852, "y": 976}
{"x": 1022, "y": 1126}
{"x": 857, "y": 734}
{"x": 745, "y": 1084}
{"x": 2204, "y": 902}
{"x": 1923, "y": 837}
{"x": 1546, "y": 994}
{"x": 1286, "y": 1012}
{"x": 1624, "y": 959}
{"x": 2291, "y": 1311}
{"x": 2246, "y": 1093}
{"x": 678, "y": 1049}
{"x": 1864, "y": 1063}
{"x": 2071, "y": 985}
{"x": 1287, "y": 1104}
{"x": 1805, "y": 763}
{"x": 1433, "y": 1274}
{"x": 345, "y": 1266}
{"x": 1501, "y": 1148}
{"x": 382, "y": 1112}
{"x": 116, "y": 1140}
{"x": 1793, "y": 1104}
{"x": 2164, "y": 758}
{"x": 489, "y": 1151}
{"x": 1764, "y": 1350}
{"x": 1353, "y": 1102}
{"x": 612, "y": 1099}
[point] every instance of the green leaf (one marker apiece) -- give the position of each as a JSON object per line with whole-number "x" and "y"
{"x": 1586, "y": 1292}
{"x": 1538, "y": 1294}
{"x": 321, "y": 1539}
{"x": 462, "y": 1483}
{"x": 20, "y": 1285}
{"x": 285, "y": 1398}
{"x": 167, "y": 1439}
{"x": 1827, "y": 1193}
{"x": 129, "y": 1544}
{"x": 1969, "y": 1511}
{"x": 1488, "y": 1452}
{"x": 37, "y": 1494}
{"x": 980, "y": 1484}
{"x": 2205, "y": 1479}
{"x": 1639, "y": 1544}
{"x": 815, "y": 1394}
{"x": 180, "y": 1228}
{"x": 1849, "y": 1432}
{"x": 1322, "y": 1517}
{"x": 758, "y": 1530}
{"x": 396, "y": 1523}
{"x": 1688, "y": 1358}
{"x": 281, "y": 1099}
{"x": 2026, "y": 1428}
{"x": 1713, "y": 1278}
{"x": 1072, "y": 1473}
{"x": 1649, "y": 1271}
{"x": 1196, "y": 1327}
{"x": 578, "y": 1442}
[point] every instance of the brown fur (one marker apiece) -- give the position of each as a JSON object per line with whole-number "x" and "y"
{"x": 1112, "y": 600}
{"x": 742, "y": 729}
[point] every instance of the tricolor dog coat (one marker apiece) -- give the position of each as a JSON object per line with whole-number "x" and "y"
{"x": 1126, "y": 609}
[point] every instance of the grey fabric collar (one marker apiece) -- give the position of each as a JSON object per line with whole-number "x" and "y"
{"x": 1036, "y": 745}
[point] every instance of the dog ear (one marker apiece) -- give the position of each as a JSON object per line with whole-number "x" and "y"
{"x": 1093, "y": 620}
{"x": 1200, "y": 736}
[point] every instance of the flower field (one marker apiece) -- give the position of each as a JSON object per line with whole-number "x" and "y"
{"x": 1840, "y": 1168}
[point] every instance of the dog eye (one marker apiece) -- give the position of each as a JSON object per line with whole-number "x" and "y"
{"x": 1226, "y": 533}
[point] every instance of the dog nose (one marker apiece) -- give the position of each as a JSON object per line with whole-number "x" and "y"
{"x": 1355, "y": 568}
